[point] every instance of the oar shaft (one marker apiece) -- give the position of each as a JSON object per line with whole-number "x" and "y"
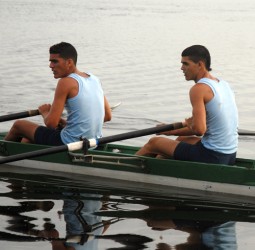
{"x": 33, "y": 154}
{"x": 246, "y": 132}
{"x": 93, "y": 142}
{"x": 139, "y": 133}
{"x": 33, "y": 112}
{"x": 19, "y": 115}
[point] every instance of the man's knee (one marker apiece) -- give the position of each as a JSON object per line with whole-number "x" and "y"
{"x": 17, "y": 124}
{"x": 181, "y": 138}
{"x": 153, "y": 141}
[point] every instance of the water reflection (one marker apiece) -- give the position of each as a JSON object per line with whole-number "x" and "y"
{"x": 19, "y": 223}
{"x": 80, "y": 220}
{"x": 96, "y": 219}
{"x": 84, "y": 227}
{"x": 202, "y": 234}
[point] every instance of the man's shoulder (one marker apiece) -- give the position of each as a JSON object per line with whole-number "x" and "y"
{"x": 67, "y": 83}
{"x": 67, "y": 79}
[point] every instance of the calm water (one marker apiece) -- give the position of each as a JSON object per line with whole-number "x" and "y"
{"x": 49, "y": 212}
{"x": 134, "y": 46}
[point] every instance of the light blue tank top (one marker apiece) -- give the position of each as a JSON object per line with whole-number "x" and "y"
{"x": 85, "y": 111}
{"x": 221, "y": 118}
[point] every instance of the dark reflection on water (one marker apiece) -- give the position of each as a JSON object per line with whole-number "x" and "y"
{"x": 95, "y": 217}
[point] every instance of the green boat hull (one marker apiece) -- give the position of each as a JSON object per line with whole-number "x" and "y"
{"x": 119, "y": 162}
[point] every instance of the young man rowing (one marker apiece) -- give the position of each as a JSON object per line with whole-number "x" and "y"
{"x": 82, "y": 96}
{"x": 211, "y": 134}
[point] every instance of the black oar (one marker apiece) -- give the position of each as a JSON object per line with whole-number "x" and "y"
{"x": 92, "y": 142}
{"x": 34, "y": 112}
{"x": 246, "y": 132}
{"x": 19, "y": 115}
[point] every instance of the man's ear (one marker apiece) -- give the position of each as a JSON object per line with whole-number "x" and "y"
{"x": 201, "y": 64}
{"x": 70, "y": 61}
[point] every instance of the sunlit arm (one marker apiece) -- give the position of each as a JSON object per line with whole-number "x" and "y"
{"x": 45, "y": 111}
{"x": 51, "y": 122}
{"x": 198, "y": 122}
{"x": 107, "y": 110}
{"x": 52, "y": 117}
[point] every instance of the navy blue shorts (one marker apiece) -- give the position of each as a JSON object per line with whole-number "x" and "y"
{"x": 47, "y": 136}
{"x": 197, "y": 152}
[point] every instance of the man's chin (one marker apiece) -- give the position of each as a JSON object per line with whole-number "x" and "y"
{"x": 56, "y": 76}
{"x": 187, "y": 78}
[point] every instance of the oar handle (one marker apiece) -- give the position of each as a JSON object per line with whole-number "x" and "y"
{"x": 19, "y": 115}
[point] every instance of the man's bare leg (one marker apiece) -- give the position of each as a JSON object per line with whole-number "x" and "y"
{"x": 22, "y": 129}
{"x": 158, "y": 146}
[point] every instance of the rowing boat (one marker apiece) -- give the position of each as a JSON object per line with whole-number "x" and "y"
{"x": 119, "y": 162}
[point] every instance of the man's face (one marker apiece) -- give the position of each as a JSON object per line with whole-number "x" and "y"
{"x": 189, "y": 68}
{"x": 59, "y": 66}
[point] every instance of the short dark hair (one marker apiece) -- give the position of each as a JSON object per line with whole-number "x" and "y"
{"x": 65, "y": 50}
{"x": 198, "y": 53}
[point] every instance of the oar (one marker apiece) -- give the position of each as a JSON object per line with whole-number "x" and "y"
{"x": 246, "y": 132}
{"x": 19, "y": 115}
{"x": 34, "y": 112}
{"x": 115, "y": 106}
{"x": 92, "y": 142}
